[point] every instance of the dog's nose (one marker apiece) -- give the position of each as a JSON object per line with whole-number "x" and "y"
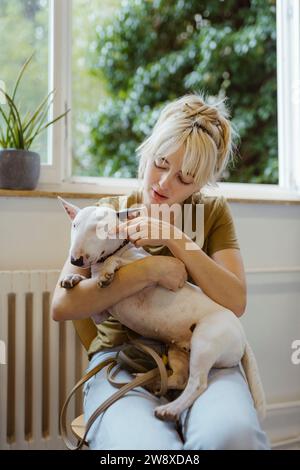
{"x": 77, "y": 262}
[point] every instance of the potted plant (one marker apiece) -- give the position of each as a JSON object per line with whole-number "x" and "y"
{"x": 19, "y": 166}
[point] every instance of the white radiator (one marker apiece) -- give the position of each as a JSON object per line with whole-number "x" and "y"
{"x": 44, "y": 359}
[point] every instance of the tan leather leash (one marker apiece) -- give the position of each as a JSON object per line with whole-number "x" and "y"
{"x": 145, "y": 377}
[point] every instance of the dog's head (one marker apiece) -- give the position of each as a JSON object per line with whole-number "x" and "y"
{"x": 89, "y": 234}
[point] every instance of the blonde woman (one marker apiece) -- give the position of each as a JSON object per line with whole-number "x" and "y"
{"x": 189, "y": 147}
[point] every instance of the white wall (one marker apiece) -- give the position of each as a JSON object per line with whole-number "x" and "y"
{"x": 34, "y": 234}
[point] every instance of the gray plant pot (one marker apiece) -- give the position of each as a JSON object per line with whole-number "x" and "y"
{"x": 19, "y": 169}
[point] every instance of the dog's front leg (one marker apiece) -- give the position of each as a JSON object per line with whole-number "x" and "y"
{"x": 108, "y": 269}
{"x": 71, "y": 280}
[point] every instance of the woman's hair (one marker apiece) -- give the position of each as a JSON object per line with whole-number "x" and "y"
{"x": 205, "y": 131}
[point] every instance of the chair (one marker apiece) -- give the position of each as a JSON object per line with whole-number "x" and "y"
{"x": 86, "y": 331}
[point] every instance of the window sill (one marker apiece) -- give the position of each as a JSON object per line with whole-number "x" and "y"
{"x": 255, "y": 193}
{"x": 234, "y": 192}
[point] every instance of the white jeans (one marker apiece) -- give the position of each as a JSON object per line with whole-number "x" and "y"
{"x": 223, "y": 417}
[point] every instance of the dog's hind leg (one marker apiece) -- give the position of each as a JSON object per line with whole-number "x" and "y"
{"x": 179, "y": 363}
{"x": 205, "y": 350}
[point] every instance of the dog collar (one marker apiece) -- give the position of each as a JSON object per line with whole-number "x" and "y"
{"x": 101, "y": 260}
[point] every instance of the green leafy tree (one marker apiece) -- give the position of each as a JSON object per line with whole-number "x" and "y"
{"x": 152, "y": 52}
{"x": 24, "y": 30}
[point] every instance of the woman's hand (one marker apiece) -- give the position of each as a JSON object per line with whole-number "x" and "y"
{"x": 167, "y": 271}
{"x": 145, "y": 230}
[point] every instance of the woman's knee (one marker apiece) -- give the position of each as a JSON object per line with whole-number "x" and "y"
{"x": 239, "y": 435}
{"x": 242, "y": 435}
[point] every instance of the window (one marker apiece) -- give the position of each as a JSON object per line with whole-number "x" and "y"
{"x": 288, "y": 60}
{"x": 88, "y": 88}
{"x": 129, "y": 59}
{"x": 115, "y": 63}
{"x": 24, "y": 29}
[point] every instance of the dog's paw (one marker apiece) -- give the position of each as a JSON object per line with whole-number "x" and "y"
{"x": 105, "y": 279}
{"x": 169, "y": 412}
{"x": 71, "y": 280}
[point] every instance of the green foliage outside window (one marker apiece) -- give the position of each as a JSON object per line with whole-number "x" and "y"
{"x": 129, "y": 59}
{"x": 24, "y": 30}
{"x": 152, "y": 52}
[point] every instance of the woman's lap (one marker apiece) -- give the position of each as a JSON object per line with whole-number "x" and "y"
{"x": 130, "y": 422}
{"x": 223, "y": 417}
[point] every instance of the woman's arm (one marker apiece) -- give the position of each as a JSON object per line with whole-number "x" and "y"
{"x": 221, "y": 277}
{"x": 86, "y": 298}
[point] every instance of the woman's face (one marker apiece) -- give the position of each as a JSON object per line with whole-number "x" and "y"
{"x": 163, "y": 177}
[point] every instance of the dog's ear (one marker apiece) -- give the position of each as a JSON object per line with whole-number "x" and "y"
{"x": 70, "y": 209}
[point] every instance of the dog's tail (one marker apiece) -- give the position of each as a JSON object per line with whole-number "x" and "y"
{"x": 253, "y": 378}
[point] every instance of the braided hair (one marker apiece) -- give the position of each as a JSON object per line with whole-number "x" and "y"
{"x": 205, "y": 130}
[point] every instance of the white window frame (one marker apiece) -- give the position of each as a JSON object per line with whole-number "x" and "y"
{"x": 58, "y": 173}
{"x": 288, "y": 85}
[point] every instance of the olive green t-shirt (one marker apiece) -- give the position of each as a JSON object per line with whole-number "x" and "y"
{"x": 218, "y": 234}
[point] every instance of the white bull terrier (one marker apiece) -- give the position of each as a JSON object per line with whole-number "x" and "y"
{"x": 200, "y": 333}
